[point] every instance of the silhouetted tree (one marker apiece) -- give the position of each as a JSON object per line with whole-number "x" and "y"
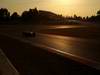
{"x": 24, "y": 15}
{"x": 15, "y": 16}
{"x": 96, "y": 18}
{"x": 75, "y": 16}
{"x": 31, "y": 15}
{"x": 98, "y": 13}
{"x": 92, "y": 18}
{"x": 34, "y": 11}
{"x": 4, "y": 14}
{"x": 87, "y": 17}
{"x": 35, "y": 16}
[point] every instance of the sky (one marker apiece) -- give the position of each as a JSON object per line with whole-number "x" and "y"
{"x": 64, "y": 7}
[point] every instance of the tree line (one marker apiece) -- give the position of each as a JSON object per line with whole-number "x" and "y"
{"x": 34, "y": 16}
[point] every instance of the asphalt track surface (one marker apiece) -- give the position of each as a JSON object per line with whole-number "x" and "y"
{"x": 33, "y": 60}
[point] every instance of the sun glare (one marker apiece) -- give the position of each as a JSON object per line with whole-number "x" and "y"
{"x": 67, "y": 2}
{"x": 64, "y": 7}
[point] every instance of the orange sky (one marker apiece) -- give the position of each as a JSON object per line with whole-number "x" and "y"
{"x": 64, "y": 7}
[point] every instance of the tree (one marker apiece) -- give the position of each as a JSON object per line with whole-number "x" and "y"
{"x": 98, "y": 13}
{"x": 15, "y": 16}
{"x": 30, "y": 15}
{"x": 24, "y": 15}
{"x": 4, "y": 14}
{"x": 98, "y": 16}
{"x": 33, "y": 13}
{"x": 75, "y": 16}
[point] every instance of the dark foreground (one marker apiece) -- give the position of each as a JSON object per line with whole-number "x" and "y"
{"x": 31, "y": 60}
